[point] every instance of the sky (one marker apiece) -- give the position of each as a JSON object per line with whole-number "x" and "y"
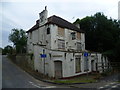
{"x": 22, "y": 14}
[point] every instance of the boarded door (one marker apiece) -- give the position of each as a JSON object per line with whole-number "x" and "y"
{"x": 58, "y": 69}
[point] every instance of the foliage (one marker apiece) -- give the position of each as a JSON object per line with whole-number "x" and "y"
{"x": 1, "y": 49}
{"x": 31, "y": 55}
{"x": 7, "y": 50}
{"x": 19, "y": 39}
{"x": 101, "y": 34}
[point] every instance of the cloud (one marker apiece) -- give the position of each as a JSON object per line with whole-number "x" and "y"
{"x": 24, "y": 13}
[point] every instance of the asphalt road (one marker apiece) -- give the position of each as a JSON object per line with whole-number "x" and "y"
{"x": 0, "y": 71}
{"x": 14, "y": 77}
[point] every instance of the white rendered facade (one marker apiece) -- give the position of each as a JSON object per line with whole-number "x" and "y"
{"x": 64, "y": 49}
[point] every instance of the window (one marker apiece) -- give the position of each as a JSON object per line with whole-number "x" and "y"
{"x": 61, "y": 44}
{"x": 48, "y": 30}
{"x": 61, "y": 31}
{"x": 73, "y": 35}
{"x": 79, "y": 46}
{"x": 78, "y": 63}
{"x": 78, "y": 35}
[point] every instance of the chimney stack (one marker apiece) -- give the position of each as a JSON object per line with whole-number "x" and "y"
{"x": 43, "y": 17}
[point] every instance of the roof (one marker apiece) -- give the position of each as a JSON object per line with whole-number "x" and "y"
{"x": 57, "y": 21}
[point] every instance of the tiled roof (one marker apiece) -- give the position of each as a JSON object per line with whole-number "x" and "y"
{"x": 57, "y": 21}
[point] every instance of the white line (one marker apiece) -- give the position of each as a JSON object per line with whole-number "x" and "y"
{"x": 112, "y": 83}
{"x": 36, "y": 85}
{"x": 50, "y": 87}
{"x": 30, "y": 82}
{"x": 106, "y": 85}
{"x": 101, "y": 87}
{"x": 114, "y": 86}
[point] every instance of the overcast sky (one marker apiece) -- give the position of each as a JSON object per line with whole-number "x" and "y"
{"x": 24, "y": 13}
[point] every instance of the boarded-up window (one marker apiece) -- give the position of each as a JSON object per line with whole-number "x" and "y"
{"x": 79, "y": 47}
{"x": 61, "y": 31}
{"x": 78, "y": 35}
{"x": 78, "y": 63}
{"x": 61, "y": 44}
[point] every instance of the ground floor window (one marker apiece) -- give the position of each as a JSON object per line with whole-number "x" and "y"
{"x": 78, "y": 63}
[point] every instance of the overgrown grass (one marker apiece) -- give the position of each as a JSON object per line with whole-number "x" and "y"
{"x": 81, "y": 79}
{"x": 75, "y": 81}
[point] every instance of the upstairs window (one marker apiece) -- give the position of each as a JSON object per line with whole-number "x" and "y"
{"x": 73, "y": 35}
{"x": 79, "y": 47}
{"x": 61, "y": 31}
{"x": 48, "y": 30}
{"x": 61, "y": 44}
{"x": 78, "y": 35}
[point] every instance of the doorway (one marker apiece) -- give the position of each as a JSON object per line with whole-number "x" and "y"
{"x": 92, "y": 65}
{"x": 58, "y": 69}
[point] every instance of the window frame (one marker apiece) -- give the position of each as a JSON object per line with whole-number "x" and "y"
{"x": 61, "y": 31}
{"x": 48, "y": 30}
{"x": 73, "y": 34}
{"x": 61, "y": 44}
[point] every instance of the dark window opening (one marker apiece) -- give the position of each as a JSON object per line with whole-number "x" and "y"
{"x": 73, "y": 35}
{"x": 48, "y": 30}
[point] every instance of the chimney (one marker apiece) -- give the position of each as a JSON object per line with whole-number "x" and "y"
{"x": 43, "y": 17}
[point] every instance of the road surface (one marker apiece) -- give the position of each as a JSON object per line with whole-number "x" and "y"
{"x": 14, "y": 77}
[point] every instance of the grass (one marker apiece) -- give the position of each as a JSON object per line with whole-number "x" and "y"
{"x": 81, "y": 79}
{"x": 74, "y": 81}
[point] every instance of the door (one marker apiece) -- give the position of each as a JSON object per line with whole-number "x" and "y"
{"x": 58, "y": 69}
{"x": 92, "y": 65}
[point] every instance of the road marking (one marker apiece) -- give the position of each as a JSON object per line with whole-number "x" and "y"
{"x": 106, "y": 85}
{"x": 50, "y": 87}
{"x": 112, "y": 83}
{"x": 36, "y": 85}
{"x": 30, "y": 82}
{"x": 114, "y": 86}
{"x": 101, "y": 87}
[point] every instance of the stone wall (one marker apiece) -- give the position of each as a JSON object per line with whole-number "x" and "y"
{"x": 23, "y": 60}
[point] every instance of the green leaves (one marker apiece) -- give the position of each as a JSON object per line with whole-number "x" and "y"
{"x": 19, "y": 39}
{"x": 102, "y": 34}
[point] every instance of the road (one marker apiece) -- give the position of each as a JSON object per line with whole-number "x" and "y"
{"x": 14, "y": 77}
{"x": 0, "y": 71}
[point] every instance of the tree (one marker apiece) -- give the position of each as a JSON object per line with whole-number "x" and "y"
{"x": 101, "y": 34}
{"x": 7, "y": 50}
{"x": 19, "y": 39}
